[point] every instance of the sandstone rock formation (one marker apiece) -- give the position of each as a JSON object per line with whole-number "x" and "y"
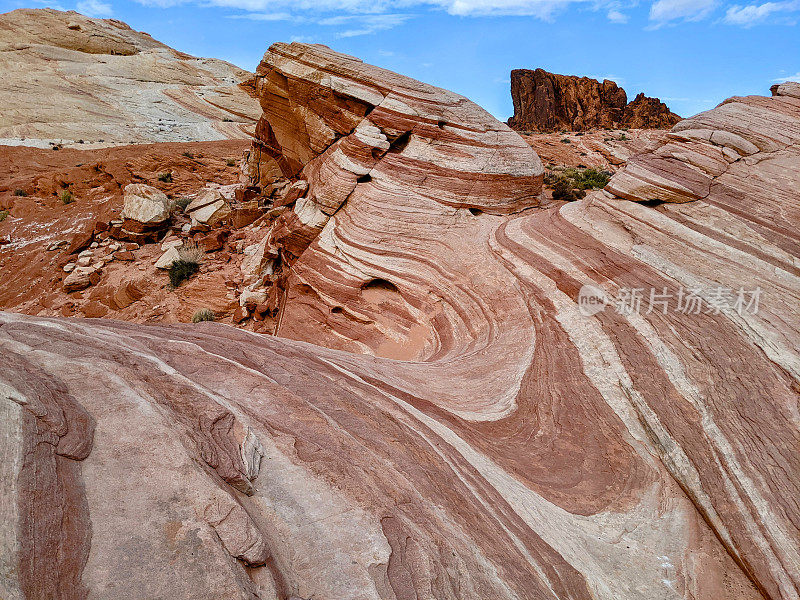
{"x": 489, "y": 438}
{"x": 97, "y": 81}
{"x": 548, "y": 102}
{"x": 353, "y": 133}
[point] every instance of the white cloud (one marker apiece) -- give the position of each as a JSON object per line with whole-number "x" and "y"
{"x": 543, "y": 9}
{"x": 795, "y": 77}
{"x": 94, "y": 8}
{"x": 663, "y": 11}
{"x": 364, "y": 24}
{"x": 254, "y": 16}
{"x": 752, "y": 14}
{"x": 615, "y": 16}
{"x": 354, "y": 24}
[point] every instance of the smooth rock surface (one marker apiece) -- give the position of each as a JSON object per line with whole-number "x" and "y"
{"x": 487, "y": 439}
{"x": 98, "y": 82}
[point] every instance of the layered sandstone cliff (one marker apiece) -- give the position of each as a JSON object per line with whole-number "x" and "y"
{"x": 68, "y": 78}
{"x": 548, "y": 102}
{"x": 490, "y": 438}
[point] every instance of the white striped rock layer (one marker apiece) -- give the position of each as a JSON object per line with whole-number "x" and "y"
{"x": 468, "y": 432}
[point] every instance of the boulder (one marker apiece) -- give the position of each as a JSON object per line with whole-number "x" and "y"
{"x": 169, "y": 257}
{"x": 213, "y": 241}
{"x": 127, "y": 293}
{"x": 204, "y": 198}
{"x": 81, "y": 277}
{"x": 209, "y": 208}
{"x": 251, "y": 298}
{"x": 145, "y": 205}
{"x": 240, "y": 314}
{"x": 171, "y": 242}
{"x": 124, "y": 255}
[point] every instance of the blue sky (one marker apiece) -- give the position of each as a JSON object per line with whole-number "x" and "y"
{"x": 690, "y": 53}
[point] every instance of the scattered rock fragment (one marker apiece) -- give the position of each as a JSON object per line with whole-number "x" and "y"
{"x": 169, "y": 257}
{"x": 80, "y": 278}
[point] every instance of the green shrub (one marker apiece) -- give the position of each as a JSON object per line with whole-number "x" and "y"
{"x": 591, "y": 179}
{"x": 569, "y": 183}
{"x": 231, "y": 162}
{"x": 204, "y": 314}
{"x": 563, "y": 191}
{"x": 166, "y": 177}
{"x": 190, "y": 256}
{"x": 3, "y": 215}
{"x": 67, "y": 197}
{"x": 19, "y": 192}
{"x": 181, "y": 270}
{"x": 182, "y": 203}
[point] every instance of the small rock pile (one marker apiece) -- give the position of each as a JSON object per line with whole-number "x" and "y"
{"x": 86, "y": 270}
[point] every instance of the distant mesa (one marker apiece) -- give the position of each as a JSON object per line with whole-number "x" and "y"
{"x": 547, "y": 102}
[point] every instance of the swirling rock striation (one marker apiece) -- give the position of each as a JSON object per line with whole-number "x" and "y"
{"x": 488, "y": 439}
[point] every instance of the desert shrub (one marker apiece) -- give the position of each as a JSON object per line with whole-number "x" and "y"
{"x": 563, "y": 191}
{"x": 204, "y": 314}
{"x": 67, "y": 197}
{"x": 191, "y": 253}
{"x": 231, "y": 162}
{"x": 166, "y": 177}
{"x": 190, "y": 256}
{"x": 3, "y": 215}
{"x": 623, "y": 137}
{"x": 570, "y": 183}
{"x": 581, "y": 178}
{"x": 182, "y": 203}
{"x": 565, "y": 141}
{"x": 19, "y": 192}
{"x": 188, "y": 155}
{"x": 591, "y": 179}
{"x": 181, "y": 270}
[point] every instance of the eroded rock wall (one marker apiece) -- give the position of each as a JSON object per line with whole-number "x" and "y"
{"x": 547, "y": 102}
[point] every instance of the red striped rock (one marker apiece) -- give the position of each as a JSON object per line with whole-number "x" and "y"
{"x": 487, "y": 440}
